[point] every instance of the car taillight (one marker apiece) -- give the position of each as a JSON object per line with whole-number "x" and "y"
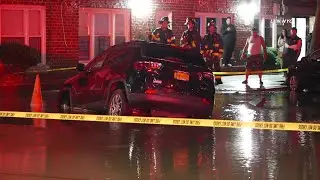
{"x": 147, "y": 65}
{"x": 207, "y": 75}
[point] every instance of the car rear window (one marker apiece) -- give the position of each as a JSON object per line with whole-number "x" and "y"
{"x": 176, "y": 54}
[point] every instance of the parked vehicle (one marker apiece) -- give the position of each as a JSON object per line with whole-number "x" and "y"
{"x": 305, "y": 76}
{"x": 144, "y": 76}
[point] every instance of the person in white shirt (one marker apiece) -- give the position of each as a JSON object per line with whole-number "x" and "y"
{"x": 253, "y": 47}
{"x": 281, "y": 44}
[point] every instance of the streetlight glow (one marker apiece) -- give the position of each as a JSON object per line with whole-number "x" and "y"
{"x": 247, "y": 11}
{"x": 140, "y": 8}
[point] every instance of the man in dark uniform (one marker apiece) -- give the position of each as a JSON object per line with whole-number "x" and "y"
{"x": 163, "y": 34}
{"x": 212, "y": 49}
{"x": 292, "y": 50}
{"x": 229, "y": 37}
{"x": 191, "y": 38}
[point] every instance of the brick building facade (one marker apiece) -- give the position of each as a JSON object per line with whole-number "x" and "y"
{"x": 68, "y": 30}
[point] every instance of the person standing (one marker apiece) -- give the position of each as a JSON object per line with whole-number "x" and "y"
{"x": 281, "y": 45}
{"x": 212, "y": 49}
{"x": 293, "y": 49}
{"x": 163, "y": 34}
{"x": 190, "y": 38}
{"x": 229, "y": 37}
{"x": 254, "y": 60}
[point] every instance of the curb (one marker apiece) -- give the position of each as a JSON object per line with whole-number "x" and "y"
{"x": 225, "y": 91}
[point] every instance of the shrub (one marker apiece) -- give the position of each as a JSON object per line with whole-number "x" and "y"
{"x": 19, "y": 55}
{"x": 273, "y": 61}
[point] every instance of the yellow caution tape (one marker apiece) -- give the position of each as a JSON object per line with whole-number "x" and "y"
{"x": 253, "y": 72}
{"x": 283, "y": 126}
{"x": 214, "y": 73}
{"x": 49, "y": 70}
{"x": 61, "y": 69}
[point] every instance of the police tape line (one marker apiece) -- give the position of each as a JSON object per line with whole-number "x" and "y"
{"x": 253, "y": 72}
{"x": 214, "y": 73}
{"x": 283, "y": 126}
{"x": 50, "y": 70}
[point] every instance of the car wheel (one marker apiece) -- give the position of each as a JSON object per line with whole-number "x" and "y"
{"x": 294, "y": 84}
{"x": 65, "y": 103}
{"x": 118, "y": 104}
{"x": 64, "y": 106}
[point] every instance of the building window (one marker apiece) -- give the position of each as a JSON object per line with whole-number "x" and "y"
{"x": 268, "y": 32}
{"x": 204, "y": 18}
{"x": 101, "y": 28}
{"x": 267, "y": 28}
{"x": 27, "y": 27}
{"x": 256, "y": 24}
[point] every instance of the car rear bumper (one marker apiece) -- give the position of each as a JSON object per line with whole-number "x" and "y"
{"x": 188, "y": 105}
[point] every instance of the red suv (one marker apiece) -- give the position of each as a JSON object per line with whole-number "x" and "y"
{"x": 144, "y": 76}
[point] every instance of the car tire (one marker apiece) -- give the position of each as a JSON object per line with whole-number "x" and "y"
{"x": 294, "y": 84}
{"x": 64, "y": 105}
{"x": 207, "y": 115}
{"x": 118, "y": 104}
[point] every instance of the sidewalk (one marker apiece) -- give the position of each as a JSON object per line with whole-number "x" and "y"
{"x": 49, "y": 80}
{"x": 271, "y": 82}
{"x": 53, "y": 80}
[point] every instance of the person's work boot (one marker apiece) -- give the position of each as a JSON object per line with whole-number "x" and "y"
{"x": 245, "y": 82}
{"x": 261, "y": 83}
{"x": 218, "y": 81}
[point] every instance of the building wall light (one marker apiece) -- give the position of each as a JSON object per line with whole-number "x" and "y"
{"x": 140, "y": 8}
{"x": 247, "y": 11}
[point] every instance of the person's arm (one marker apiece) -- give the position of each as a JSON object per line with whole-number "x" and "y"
{"x": 171, "y": 39}
{"x": 264, "y": 48}
{"x": 299, "y": 45}
{"x": 224, "y": 29}
{"x": 198, "y": 40}
{"x": 154, "y": 37}
{"x": 203, "y": 46}
{"x": 220, "y": 47}
{"x": 233, "y": 29}
{"x": 280, "y": 42}
{"x": 182, "y": 39}
{"x": 245, "y": 48}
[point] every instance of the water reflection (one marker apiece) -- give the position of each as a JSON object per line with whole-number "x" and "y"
{"x": 156, "y": 153}
{"x": 166, "y": 152}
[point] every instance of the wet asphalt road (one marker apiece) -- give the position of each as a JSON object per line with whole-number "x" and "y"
{"x": 105, "y": 151}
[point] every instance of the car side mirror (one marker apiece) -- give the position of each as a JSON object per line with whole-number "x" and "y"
{"x": 80, "y": 67}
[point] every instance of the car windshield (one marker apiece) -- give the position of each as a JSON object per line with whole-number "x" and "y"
{"x": 176, "y": 54}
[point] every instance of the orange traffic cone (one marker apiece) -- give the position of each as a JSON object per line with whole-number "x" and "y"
{"x": 36, "y": 103}
{"x": 37, "y": 95}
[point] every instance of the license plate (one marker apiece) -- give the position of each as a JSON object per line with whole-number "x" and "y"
{"x": 182, "y": 76}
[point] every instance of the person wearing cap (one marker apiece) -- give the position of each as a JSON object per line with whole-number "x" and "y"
{"x": 163, "y": 34}
{"x": 293, "y": 48}
{"x": 212, "y": 49}
{"x": 190, "y": 38}
{"x": 253, "y": 46}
